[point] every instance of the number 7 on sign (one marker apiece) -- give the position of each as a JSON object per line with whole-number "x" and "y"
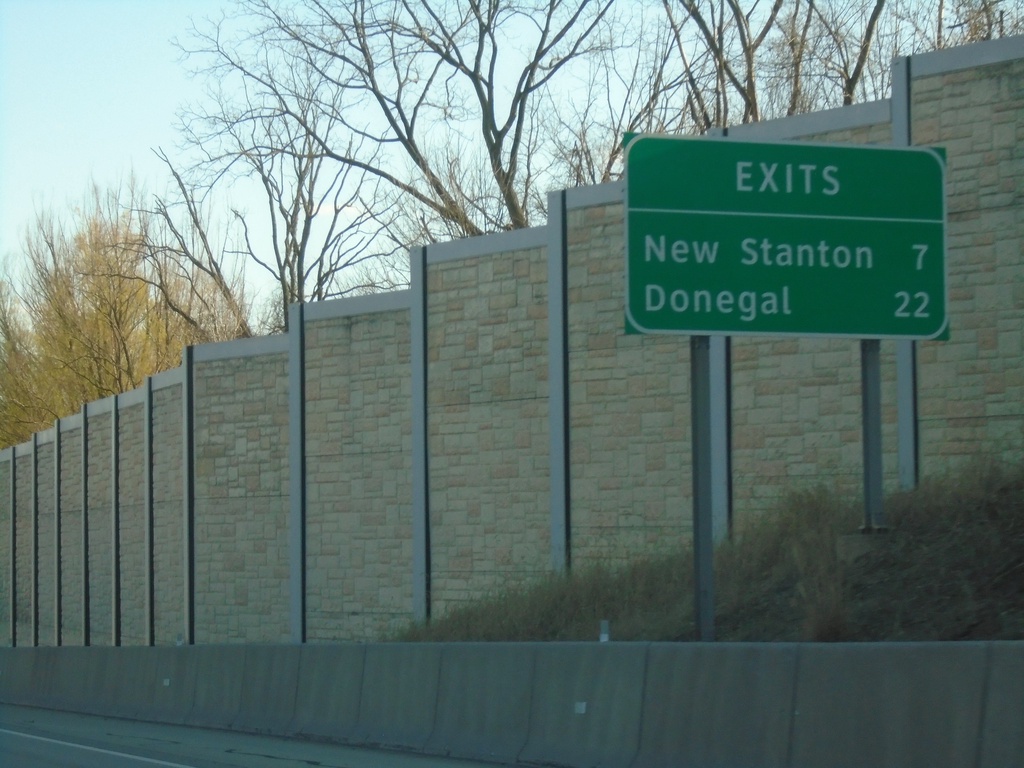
{"x": 921, "y": 251}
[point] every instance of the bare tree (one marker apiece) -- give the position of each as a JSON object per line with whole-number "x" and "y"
{"x": 851, "y": 41}
{"x": 631, "y": 87}
{"x": 970, "y": 21}
{"x": 81, "y": 319}
{"x": 313, "y": 234}
{"x": 437, "y": 101}
{"x": 187, "y": 266}
{"x": 729, "y": 40}
{"x": 766, "y": 60}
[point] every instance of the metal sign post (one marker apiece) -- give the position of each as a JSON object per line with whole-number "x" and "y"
{"x": 703, "y": 533}
{"x": 871, "y": 399}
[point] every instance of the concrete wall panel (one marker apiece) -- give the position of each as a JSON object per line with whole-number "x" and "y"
{"x": 581, "y": 704}
{"x": 271, "y": 674}
{"x": 220, "y": 676}
{"x": 16, "y": 675}
{"x": 972, "y": 386}
{"x": 168, "y": 517}
{"x": 58, "y": 677}
{"x": 1002, "y": 731}
{"x": 911, "y": 704}
{"x": 483, "y": 701}
{"x": 173, "y": 685}
{"x": 100, "y": 502}
{"x": 399, "y": 695}
{"x": 47, "y": 547}
{"x": 25, "y": 562}
{"x": 107, "y": 673}
{"x": 488, "y": 424}
{"x": 717, "y": 704}
{"x": 587, "y": 700}
{"x": 241, "y": 504}
{"x": 629, "y": 408}
{"x": 330, "y": 685}
{"x": 358, "y": 476}
{"x": 131, "y": 494}
{"x": 6, "y": 551}
{"x": 71, "y": 537}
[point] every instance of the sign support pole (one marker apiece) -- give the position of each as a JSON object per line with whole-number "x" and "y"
{"x": 720, "y": 356}
{"x": 871, "y": 399}
{"x": 703, "y": 496}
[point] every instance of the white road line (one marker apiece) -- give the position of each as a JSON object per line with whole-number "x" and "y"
{"x": 149, "y": 760}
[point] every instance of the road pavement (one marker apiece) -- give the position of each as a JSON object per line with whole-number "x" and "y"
{"x": 37, "y": 738}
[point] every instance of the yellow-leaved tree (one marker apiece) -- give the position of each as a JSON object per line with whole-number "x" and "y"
{"x": 81, "y": 317}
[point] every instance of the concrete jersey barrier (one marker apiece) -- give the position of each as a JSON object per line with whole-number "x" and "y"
{"x": 330, "y": 686}
{"x": 635, "y": 705}
{"x": 483, "y": 701}
{"x": 717, "y": 704}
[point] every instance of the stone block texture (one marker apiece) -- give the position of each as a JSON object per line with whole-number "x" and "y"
{"x": 6, "y": 546}
{"x": 629, "y": 408}
{"x": 71, "y": 546}
{"x": 25, "y": 550}
{"x": 241, "y": 500}
{"x": 487, "y": 417}
{"x": 972, "y": 386}
{"x": 46, "y": 546}
{"x": 358, "y": 476}
{"x": 877, "y": 133}
{"x": 101, "y": 531}
{"x": 131, "y": 496}
{"x": 168, "y": 517}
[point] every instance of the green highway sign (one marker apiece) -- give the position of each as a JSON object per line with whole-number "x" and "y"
{"x": 738, "y": 238}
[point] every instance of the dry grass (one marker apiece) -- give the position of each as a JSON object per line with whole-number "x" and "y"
{"x": 951, "y": 567}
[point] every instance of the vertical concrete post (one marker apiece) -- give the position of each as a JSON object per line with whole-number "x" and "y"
{"x": 57, "y": 555}
{"x": 13, "y": 490}
{"x": 420, "y": 438}
{"x": 147, "y": 511}
{"x": 35, "y": 540}
{"x": 188, "y": 496}
{"x": 558, "y": 384}
{"x": 908, "y": 450}
{"x": 115, "y": 524}
{"x": 86, "y": 616}
{"x": 297, "y": 474}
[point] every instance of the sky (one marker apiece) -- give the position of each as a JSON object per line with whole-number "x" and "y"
{"x": 87, "y": 89}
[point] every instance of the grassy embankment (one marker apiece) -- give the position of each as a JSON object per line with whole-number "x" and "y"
{"x": 951, "y": 567}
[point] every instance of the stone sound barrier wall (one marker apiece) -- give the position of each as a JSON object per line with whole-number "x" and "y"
{"x": 358, "y": 467}
{"x": 972, "y": 386}
{"x": 393, "y": 456}
{"x": 132, "y": 524}
{"x": 99, "y": 526}
{"x": 24, "y": 608}
{"x": 71, "y": 552}
{"x": 46, "y": 550}
{"x": 805, "y": 382}
{"x": 629, "y": 404}
{"x": 6, "y": 545}
{"x": 487, "y": 411}
{"x": 168, "y": 524}
{"x": 241, "y": 495}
